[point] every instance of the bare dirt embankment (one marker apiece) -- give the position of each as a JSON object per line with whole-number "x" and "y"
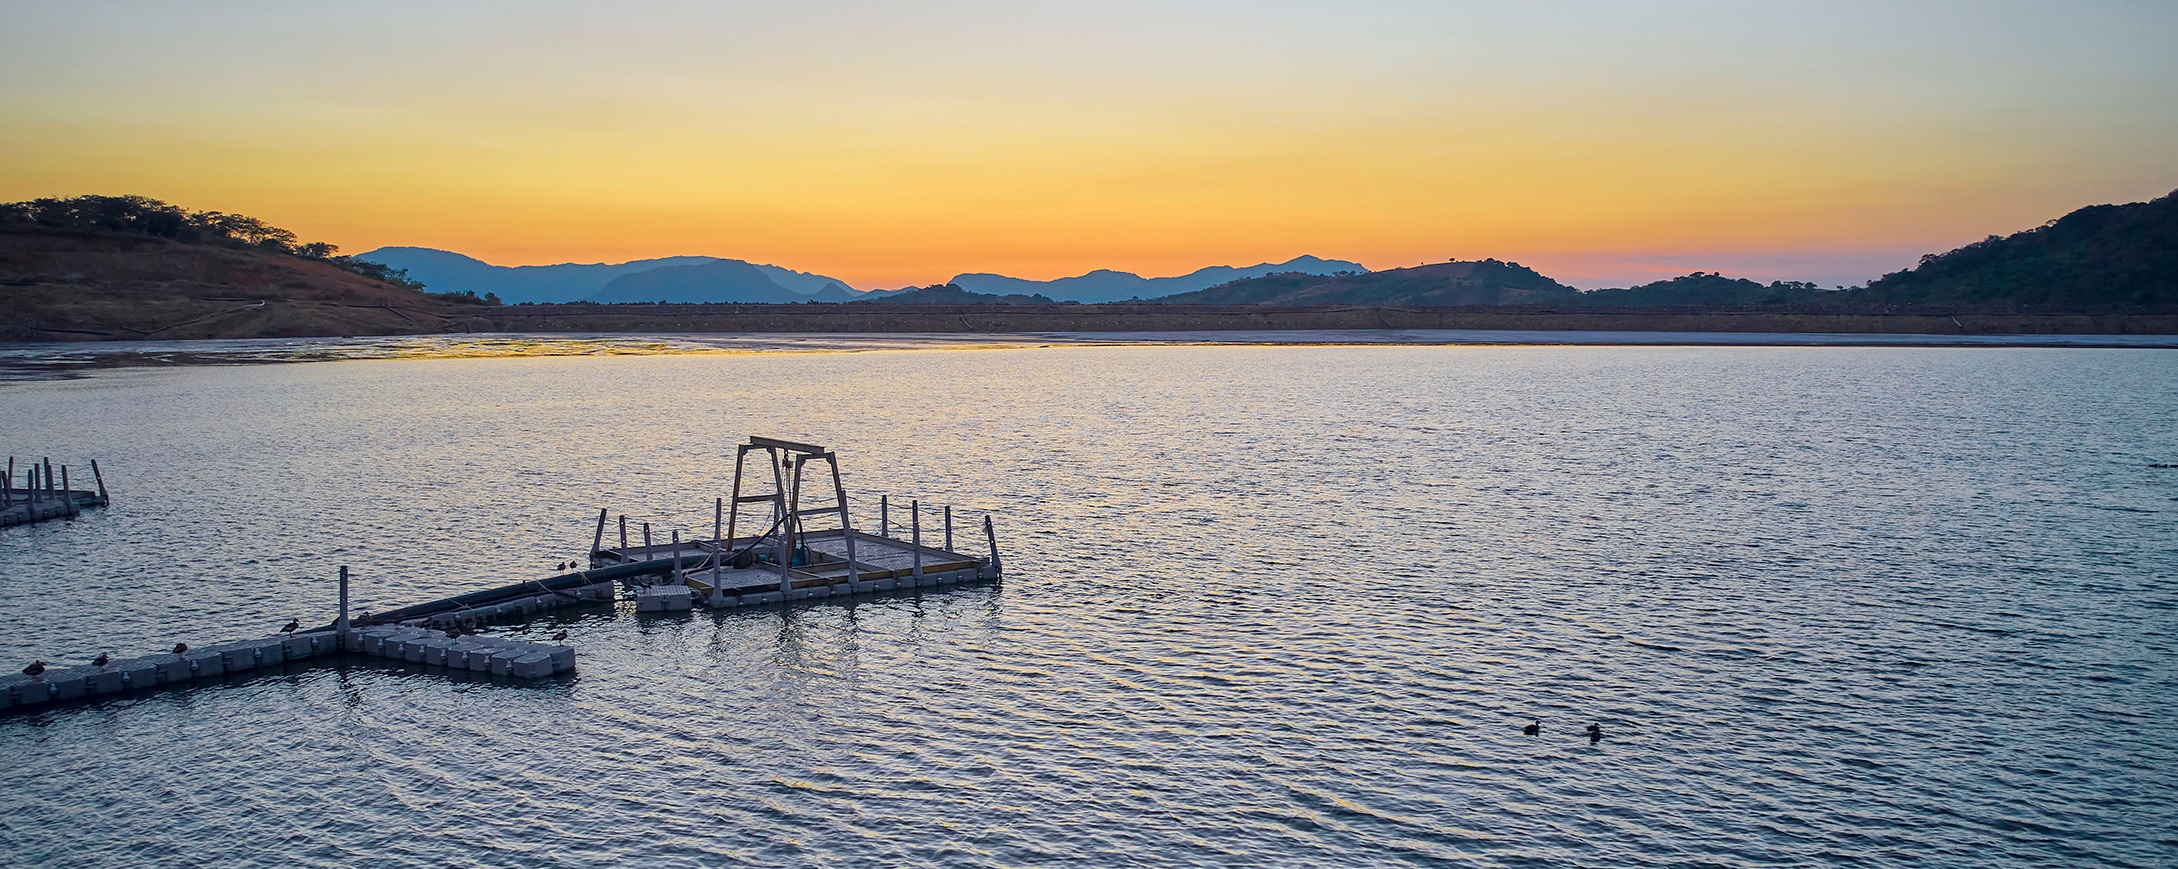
{"x": 66, "y": 285}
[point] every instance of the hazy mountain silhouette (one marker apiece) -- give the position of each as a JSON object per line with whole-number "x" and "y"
{"x": 1487, "y": 282}
{"x": 448, "y": 272}
{"x": 1105, "y": 285}
{"x": 1707, "y": 290}
{"x": 2098, "y": 257}
{"x": 724, "y": 280}
{"x": 953, "y": 294}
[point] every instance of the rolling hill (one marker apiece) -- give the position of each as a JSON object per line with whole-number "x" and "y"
{"x": 1485, "y": 282}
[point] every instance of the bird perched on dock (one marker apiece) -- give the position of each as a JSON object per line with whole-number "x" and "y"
{"x": 560, "y": 636}
{"x": 34, "y": 669}
{"x": 292, "y": 626}
{"x": 180, "y": 648}
{"x": 101, "y": 660}
{"x": 453, "y": 632}
{"x": 1595, "y": 733}
{"x": 1532, "y": 728}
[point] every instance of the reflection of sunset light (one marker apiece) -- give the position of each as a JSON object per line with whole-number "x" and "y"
{"x": 890, "y": 149}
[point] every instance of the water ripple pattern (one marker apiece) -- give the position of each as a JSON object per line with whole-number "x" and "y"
{"x": 1265, "y": 606}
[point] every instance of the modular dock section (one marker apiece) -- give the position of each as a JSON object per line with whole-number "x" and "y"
{"x": 45, "y": 495}
{"x": 789, "y": 561}
{"x": 479, "y": 654}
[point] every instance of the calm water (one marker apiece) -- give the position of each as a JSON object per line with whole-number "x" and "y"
{"x": 1264, "y": 606}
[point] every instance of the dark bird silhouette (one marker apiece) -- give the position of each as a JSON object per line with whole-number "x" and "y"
{"x": 1533, "y": 728}
{"x": 560, "y": 636}
{"x": 34, "y": 669}
{"x": 292, "y": 626}
{"x": 180, "y": 648}
{"x": 453, "y": 632}
{"x": 1595, "y": 732}
{"x": 101, "y": 660}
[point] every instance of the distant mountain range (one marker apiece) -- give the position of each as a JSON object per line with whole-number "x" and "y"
{"x": 1105, "y": 285}
{"x": 716, "y": 279}
{"x": 688, "y": 281}
{"x": 2103, "y": 257}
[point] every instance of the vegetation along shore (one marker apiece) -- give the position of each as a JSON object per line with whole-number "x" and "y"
{"x": 134, "y": 268}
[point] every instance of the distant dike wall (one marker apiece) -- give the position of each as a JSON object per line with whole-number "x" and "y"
{"x": 873, "y": 318}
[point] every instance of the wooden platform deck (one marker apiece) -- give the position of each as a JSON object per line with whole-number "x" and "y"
{"x": 888, "y": 561}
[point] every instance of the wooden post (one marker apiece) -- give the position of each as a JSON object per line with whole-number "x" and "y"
{"x": 733, "y": 523}
{"x": 340, "y": 627}
{"x": 846, "y": 528}
{"x": 718, "y": 550}
{"x": 780, "y": 521}
{"x": 646, "y": 541}
{"x": 948, "y": 527}
{"x": 915, "y": 523}
{"x": 678, "y": 579}
{"x": 598, "y": 539}
{"x": 884, "y": 515}
{"x": 101, "y": 480}
{"x": 30, "y": 484}
{"x": 623, "y": 535}
{"x": 48, "y": 478}
{"x": 68, "y": 497}
{"x": 7, "y": 492}
{"x": 993, "y": 538}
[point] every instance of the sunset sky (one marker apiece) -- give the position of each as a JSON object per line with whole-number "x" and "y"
{"x": 890, "y": 144}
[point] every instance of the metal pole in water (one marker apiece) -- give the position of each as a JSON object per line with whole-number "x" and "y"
{"x": 718, "y": 539}
{"x": 948, "y": 527}
{"x": 678, "y": 579}
{"x": 915, "y": 522}
{"x": 623, "y": 534}
{"x": 884, "y": 515}
{"x": 993, "y": 538}
{"x": 7, "y": 491}
{"x": 340, "y": 628}
{"x": 598, "y": 540}
{"x": 646, "y": 541}
{"x": 101, "y": 480}
{"x": 68, "y": 496}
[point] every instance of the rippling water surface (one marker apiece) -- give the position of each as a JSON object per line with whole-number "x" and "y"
{"x": 1264, "y": 606}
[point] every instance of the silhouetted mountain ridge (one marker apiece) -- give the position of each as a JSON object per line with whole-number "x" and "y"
{"x": 2098, "y": 257}
{"x": 952, "y": 294}
{"x": 1107, "y": 285}
{"x": 1482, "y": 282}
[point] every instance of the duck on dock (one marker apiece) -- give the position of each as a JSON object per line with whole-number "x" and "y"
{"x": 560, "y": 636}
{"x": 180, "y": 648}
{"x": 35, "y": 668}
{"x": 101, "y": 660}
{"x": 292, "y": 626}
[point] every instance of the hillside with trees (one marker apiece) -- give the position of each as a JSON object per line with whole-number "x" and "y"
{"x": 131, "y": 267}
{"x": 1708, "y": 290}
{"x": 2102, "y": 257}
{"x": 1483, "y": 282}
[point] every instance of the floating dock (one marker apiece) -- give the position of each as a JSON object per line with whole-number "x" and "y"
{"x": 809, "y": 549}
{"x": 43, "y": 495}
